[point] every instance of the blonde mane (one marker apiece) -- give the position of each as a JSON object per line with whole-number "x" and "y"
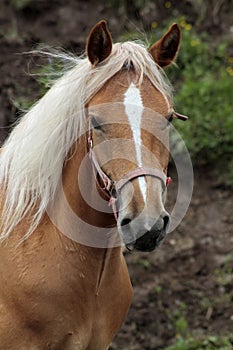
{"x": 33, "y": 156}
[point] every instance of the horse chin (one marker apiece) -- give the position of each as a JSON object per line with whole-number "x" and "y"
{"x": 147, "y": 243}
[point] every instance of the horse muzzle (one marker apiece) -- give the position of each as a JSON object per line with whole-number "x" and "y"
{"x": 144, "y": 234}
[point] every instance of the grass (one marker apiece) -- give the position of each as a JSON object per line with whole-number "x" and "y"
{"x": 20, "y": 4}
{"x": 209, "y": 343}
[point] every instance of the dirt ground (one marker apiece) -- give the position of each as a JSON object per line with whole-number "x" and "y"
{"x": 185, "y": 287}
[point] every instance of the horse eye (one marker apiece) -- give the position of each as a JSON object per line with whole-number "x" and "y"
{"x": 95, "y": 124}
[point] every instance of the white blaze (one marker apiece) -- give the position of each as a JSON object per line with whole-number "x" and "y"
{"x": 134, "y": 109}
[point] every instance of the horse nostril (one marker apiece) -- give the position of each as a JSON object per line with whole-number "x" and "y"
{"x": 166, "y": 220}
{"x": 125, "y": 221}
{"x": 161, "y": 224}
{"x": 127, "y": 232}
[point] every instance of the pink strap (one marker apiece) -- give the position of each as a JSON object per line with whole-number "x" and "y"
{"x": 180, "y": 116}
{"x": 104, "y": 177}
{"x": 133, "y": 175}
{"x": 112, "y": 203}
{"x": 141, "y": 172}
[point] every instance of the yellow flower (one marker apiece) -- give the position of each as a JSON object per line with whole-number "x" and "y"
{"x": 183, "y": 23}
{"x": 194, "y": 42}
{"x": 188, "y": 26}
{"x": 154, "y": 24}
{"x": 168, "y": 4}
{"x": 229, "y": 71}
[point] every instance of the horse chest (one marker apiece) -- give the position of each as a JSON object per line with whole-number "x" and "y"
{"x": 59, "y": 307}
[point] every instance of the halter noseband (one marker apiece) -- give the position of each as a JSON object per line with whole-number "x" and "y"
{"x": 112, "y": 188}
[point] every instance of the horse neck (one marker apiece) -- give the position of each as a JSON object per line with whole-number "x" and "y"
{"x": 48, "y": 238}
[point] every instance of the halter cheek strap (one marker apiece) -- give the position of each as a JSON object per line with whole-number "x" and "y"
{"x": 112, "y": 188}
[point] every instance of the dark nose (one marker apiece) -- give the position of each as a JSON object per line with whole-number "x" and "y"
{"x": 144, "y": 233}
{"x": 161, "y": 224}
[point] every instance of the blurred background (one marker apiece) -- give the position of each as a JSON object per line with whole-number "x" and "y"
{"x": 183, "y": 292}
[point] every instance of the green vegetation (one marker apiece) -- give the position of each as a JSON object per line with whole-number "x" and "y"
{"x": 203, "y": 80}
{"x": 20, "y": 4}
{"x": 178, "y": 319}
{"x": 210, "y": 343}
{"x": 145, "y": 263}
{"x": 224, "y": 274}
{"x": 49, "y": 73}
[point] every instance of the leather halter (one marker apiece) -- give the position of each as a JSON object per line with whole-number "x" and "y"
{"x": 112, "y": 188}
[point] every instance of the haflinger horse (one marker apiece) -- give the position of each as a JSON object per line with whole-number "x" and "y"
{"x": 64, "y": 283}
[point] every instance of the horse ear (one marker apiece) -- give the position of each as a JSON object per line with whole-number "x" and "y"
{"x": 99, "y": 43}
{"x": 165, "y": 50}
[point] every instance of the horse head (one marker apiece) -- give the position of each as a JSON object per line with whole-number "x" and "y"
{"x": 129, "y": 120}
